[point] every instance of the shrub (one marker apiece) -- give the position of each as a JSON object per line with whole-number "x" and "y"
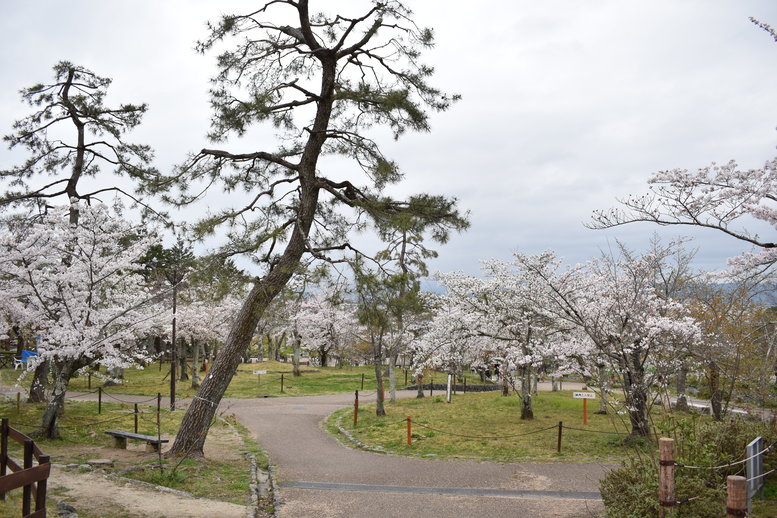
{"x": 632, "y": 490}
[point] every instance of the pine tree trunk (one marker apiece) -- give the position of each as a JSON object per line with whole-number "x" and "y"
{"x": 392, "y": 377}
{"x": 379, "y": 407}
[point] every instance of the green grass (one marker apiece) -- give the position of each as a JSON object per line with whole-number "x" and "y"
{"x": 82, "y": 430}
{"x": 488, "y": 426}
{"x": 245, "y": 384}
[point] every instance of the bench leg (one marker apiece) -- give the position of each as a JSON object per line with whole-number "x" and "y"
{"x": 120, "y": 442}
{"x": 152, "y": 447}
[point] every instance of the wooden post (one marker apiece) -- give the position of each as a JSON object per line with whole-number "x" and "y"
{"x": 431, "y": 386}
{"x": 666, "y": 496}
{"x": 99, "y": 400}
{"x": 40, "y": 491}
{"x": 409, "y": 432}
{"x": 736, "y": 496}
{"x": 405, "y": 377}
{"x": 281, "y": 383}
{"x": 362, "y": 387}
{"x": 356, "y": 409}
{"x": 158, "y": 404}
{"x": 560, "y": 427}
{"x": 27, "y": 491}
{"x": 465, "y": 384}
{"x": 89, "y": 381}
{"x": 136, "y": 418}
{"x": 3, "y": 451}
{"x": 585, "y": 410}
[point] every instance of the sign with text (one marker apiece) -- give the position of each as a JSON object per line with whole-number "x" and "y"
{"x": 584, "y": 395}
{"x": 260, "y": 372}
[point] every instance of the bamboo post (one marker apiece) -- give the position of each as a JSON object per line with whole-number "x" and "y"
{"x": 666, "y": 496}
{"x": 356, "y": 409}
{"x": 409, "y": 432}
{"x": 736, "y": 496}
{"x": 136, "y": 418}
{"x": 560, "y": 427}
{"x": 99, "y": 400}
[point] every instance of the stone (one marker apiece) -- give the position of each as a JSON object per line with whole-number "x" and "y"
{"x": 100, "y": 463}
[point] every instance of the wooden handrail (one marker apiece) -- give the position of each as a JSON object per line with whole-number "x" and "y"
{"x": 32, "y": 478}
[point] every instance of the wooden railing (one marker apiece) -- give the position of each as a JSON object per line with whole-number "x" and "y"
{"x": 32, "y": 478}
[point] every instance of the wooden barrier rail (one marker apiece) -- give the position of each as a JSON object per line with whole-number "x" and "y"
{"x": 32, "y": 479}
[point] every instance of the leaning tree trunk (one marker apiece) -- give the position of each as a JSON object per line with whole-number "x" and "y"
{"x": 56, "y": 402}
{"x": 682, "y": 400}
{"x": 526, "y": 398}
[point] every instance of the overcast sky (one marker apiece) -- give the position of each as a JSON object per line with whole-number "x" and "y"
{"x": 566, "y": 105}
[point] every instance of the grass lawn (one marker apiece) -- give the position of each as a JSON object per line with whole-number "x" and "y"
{"x": 488, "y": 426}
{"x": 245, "y": 384}
{"x": 223, "y": 477}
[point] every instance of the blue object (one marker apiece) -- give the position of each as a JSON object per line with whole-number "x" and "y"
{"x": 27, "y": 355}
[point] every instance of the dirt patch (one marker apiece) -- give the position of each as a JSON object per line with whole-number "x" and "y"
{"x": 97, "y": 495}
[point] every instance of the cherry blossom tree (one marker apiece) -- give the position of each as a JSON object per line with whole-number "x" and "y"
{"x": 325, "y": 323}
{"x": 720, "y": 197}
{"x": 76, "y": 285}
{"x": 613, "y": 302}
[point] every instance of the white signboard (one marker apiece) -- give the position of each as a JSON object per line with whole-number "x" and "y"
{"x": 584, "y": 395}
{"x": 260, "y": 372}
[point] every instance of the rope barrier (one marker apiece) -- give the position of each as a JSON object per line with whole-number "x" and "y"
{"x": 591, "y": 431}
{"x": 731, "y": 464}
{"x": 83, "y": 395}
{"x": 761, "y": 475}
{"x": 484, "y": 436}
{"x": 128, "y": 401}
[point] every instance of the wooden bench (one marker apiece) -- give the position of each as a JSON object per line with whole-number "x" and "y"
{"x": 120, "y": 440}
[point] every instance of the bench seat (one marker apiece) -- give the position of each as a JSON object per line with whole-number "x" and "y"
{"x": 120, "y": 440}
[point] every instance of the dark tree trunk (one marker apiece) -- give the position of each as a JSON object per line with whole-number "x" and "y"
{"x": 526, "y": 398}
{"x": 296, "y": 345}
{"x": 420, "y": 384}
{"x": 636, "y": 393}
{"x": 40, "y": 379}
{"x": 392, "y": 377}
{"x": 604, "y": 385}
{"x": 380, "y": 410}
{"x": 56, "y": 402}
{"x": 195, "y": 363}
{"x": 183, "y": 367}
{"x": 682, "y": 400}
{"x": 716, "y": 394}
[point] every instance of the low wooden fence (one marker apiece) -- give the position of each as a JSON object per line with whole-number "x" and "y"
{"x": 32, "y": 479}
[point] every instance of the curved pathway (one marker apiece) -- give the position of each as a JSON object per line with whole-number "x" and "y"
{"x": 319, "y": 477}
